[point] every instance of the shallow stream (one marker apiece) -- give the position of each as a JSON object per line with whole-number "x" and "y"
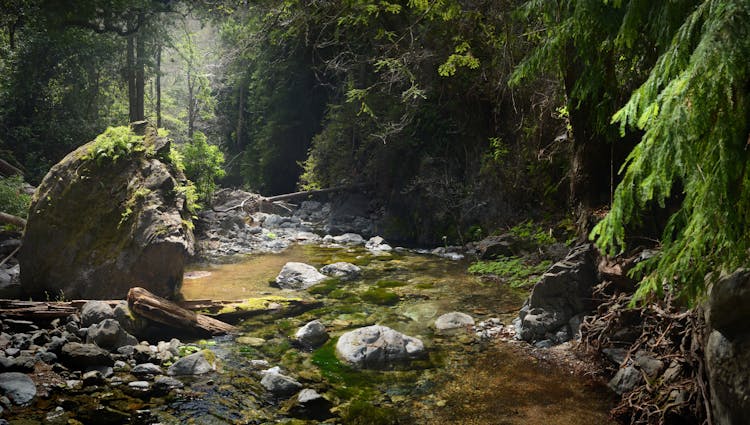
{"x": 466, "y": 380}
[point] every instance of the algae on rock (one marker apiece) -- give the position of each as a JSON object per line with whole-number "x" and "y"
{"x": 109, "y": 216}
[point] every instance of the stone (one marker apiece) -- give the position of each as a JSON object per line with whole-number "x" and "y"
{"x": 195, "y": 364}
{"x": 77, "y": 355}
{"x": 563, "y": 292}
{"x": 109, "y": 334}
{"x": 137, "y": 228}
{"x": 93, "y": 377}
{"x": 279, "y": 384}
{"x": 309, "y": 404}
{"x": 146, "y": 369}
{"x": 377, "y": 243}
{"x": 453, "y": 320}
{"x": 298, "y": 276}
{"x": 18, "y": 387}
{"x": 313, "y": 334}
{"x": 143, "y": 353}
{"x": 648, "y": 363}
{"x": 728, "y": 300}
{"x": 625, "y": 380}
{"x": 342, "y": 270}
{"x": 349, "y": 239}
{"x": 167, "y": 383}
{"x": 726, "y": 364}
{"x": 506, "y": 245}
{"x": 378, "y": 347}
{"x": 129, "y": 322}
{"x": 94, "y": 312}
{"x": 615, "y": 355}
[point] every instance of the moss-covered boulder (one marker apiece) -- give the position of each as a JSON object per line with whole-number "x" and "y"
{"x": 113, "y": 214}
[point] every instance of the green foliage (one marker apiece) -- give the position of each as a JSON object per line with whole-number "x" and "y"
{"x": 531, "y": 231}
{"x": 115, "y": 143}
{"x": 12, "y": 198}
{"x": 693, "y": 110}
{"x": 516, "y": 271}
{"x": 380, "y": 296}
{"x": 203, "y": 165}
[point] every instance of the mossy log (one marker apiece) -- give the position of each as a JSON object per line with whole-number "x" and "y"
{"x": 165, "y": 312}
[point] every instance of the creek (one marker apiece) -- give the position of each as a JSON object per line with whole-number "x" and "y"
{"x": 466, "y": 379}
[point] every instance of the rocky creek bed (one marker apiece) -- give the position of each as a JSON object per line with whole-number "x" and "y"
{"x": 401, "y": 336}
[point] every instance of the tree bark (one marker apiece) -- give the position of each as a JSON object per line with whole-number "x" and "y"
{"x": 158, "y": 86}
{"x": 139, "y": 79}
{"x": 132, "y": 115}
{"x": 165, "y": 312}
{"x": 240, "y": 114}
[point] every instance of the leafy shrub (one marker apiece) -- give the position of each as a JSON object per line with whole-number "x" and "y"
{"x": 12, "y": 198}
{"x": 115, "y": 143}
{"x": 533, "y": 232}
{"x": 513, "y": 269}
{"x": 203, "y": 165}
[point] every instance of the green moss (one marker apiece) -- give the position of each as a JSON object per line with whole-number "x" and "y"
{"x": 257, "y": 303}
{"x": 325, "y": 287}
{"x": 389, "y": 283}
{"x": 348, "y": 381}
{"x": 362, "y": 412}
{"x": 340, "y": 294}
{"x": 425, "y": 285}
{"x": 515, "y": 270}
{"x": 380, "y": 296}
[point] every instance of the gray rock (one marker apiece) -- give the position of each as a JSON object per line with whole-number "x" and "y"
{"x": 167, "y": 383}
{"x": 729, "y": 298}
{"x": 298, "y": 276}
{"x": 18, "y": 387}
{"x": 615, "y": 355}
{"x": 144, "y": 354}
{"x": 563, "y": 292}
{"x": 146, "y": 369}
{"x": 376, "y": 243}
{"x": 92, "y": 377}
{"x": 378, "y": 347}
{"x": 46, "y": 356}
{"x": 726, "y": 364}
{"x": 194, "y": 364}
{"x": 310, "y": 405}
{"x": 506, "y": 245}
{"x": 648, "y": 363}
{"x": 625, "y": 380}
{"x": 453, "y": 320}
{"x": 127, "y": 320}
{"x": 349, "y": 239}
{"x": 78, "y": 355}
{"x": 109, "y": 334}
{"x": 312, "y": 335}
{"x": 342, "y": 270}
{"x": 102, "y": 256}
{"x": 94, "y": 312}
{"x": 274, "y": 220}
{"x": 279, "y": 384}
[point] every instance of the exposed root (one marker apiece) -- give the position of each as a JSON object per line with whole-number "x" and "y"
{"x": 677, "y": 391}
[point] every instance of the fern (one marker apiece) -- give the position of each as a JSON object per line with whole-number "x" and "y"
{"x": 693, "y": 109}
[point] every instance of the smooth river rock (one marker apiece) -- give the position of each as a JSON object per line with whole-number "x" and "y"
{"x": 378, "y": 347}
{"x": 194, "y": 364}
{"x": 18, "y": 387}
{"x": 298, "y": 276}
{"x": 342, "y": 270}
{"x": 312, "y": 335}
{"x": 453, "y": 320}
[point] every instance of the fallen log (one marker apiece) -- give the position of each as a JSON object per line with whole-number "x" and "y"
{"x": 165, "y": 312}
{"x": 8, "y": 170}
{"x": 12, "y": 219}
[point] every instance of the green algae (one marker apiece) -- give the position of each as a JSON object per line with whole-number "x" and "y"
{"x": 325, "y": 287}
{"x": 385, "y": 283}
{"x": 380, "y": 296}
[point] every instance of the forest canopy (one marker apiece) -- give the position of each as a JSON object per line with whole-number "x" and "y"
{"x": 461, "y": 117}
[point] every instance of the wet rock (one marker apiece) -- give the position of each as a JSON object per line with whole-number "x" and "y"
{"x": 563, "y": 292}
{"x": 194, "y": 364}
{"x": 109, "y": 334}
{"x": 18, "y": 387}
{"x": 625, "y": 380}
{"x": 144, "y": 353}
{"x": 77, "y": 355}
{"x": 298, "y": 276}
{"x": 139, "y": 388}
{"x": 308, "y": 404}
{"x": 94, "y": 312}
{"x": 453, "y": 320}
{"x": 93, "y": 377}
{"x": 167, "y": 383}
{"x": 136, "y": 227}
{"x": 342, "y": 270}
{"x": 312, "y": 335}
{"x": 378, "y": 347}
{"x": 146, "y": 369}
{"x": 506, "y": 245}
{"x": 279, "y": 384}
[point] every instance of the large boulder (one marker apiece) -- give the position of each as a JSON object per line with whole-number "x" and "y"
{"x": 111, "y": 215}
{"x": 728, "y": 348}
{"x": 378, "y": 347}
{"x": 563, "y": 292}
{"x": 298, "y": 276}
{"x": 18, "y": 387}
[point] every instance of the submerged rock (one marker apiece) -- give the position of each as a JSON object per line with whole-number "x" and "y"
{"x": 378, "y": 347}
{"x": 279, "y": 384}
{"x": 309, "y": 404}
{"x": 453, "y": 320}
{"x": 136, "y": 228}
{"x": 342, "y": 270}
{"x": 18, "y": 387}
{"x": 194, "y": 364}
{"x": 298, "y": 276}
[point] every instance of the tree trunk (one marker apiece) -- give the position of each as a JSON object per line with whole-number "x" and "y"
{"x": 163, "y": 311}
{"x": 132, "y": 113}
{"x": 240, "y": 114}
{"x": 191, "y": 106}
{"x": 139, "y": 80}
{"x": 158, "y": 86}
{"x": 8, "y": 170}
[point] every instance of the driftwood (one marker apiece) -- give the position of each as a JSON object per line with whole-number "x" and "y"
{"x": 234, "y": 311}
{"x": 163, "y": 311}
{"x": 12, "y": 219}
{"x": 257, "y": 201}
